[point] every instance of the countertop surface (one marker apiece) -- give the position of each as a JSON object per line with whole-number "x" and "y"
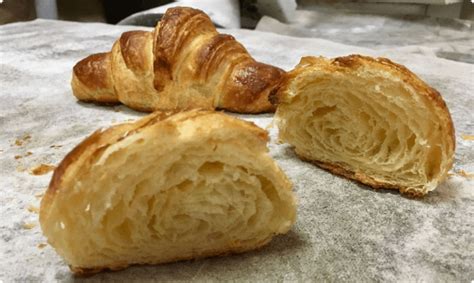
{"x": 344, "y": 232}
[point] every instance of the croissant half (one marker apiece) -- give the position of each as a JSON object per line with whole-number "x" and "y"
{"x": 168, "y": 187}
{"x": 183, "y": 63}
{"x": 367, "y": 119}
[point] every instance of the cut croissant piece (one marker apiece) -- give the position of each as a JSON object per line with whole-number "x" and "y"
{"x": 184, "y": 63}
{"x": 168, "y": 187}
{"x": 367, "y": 119}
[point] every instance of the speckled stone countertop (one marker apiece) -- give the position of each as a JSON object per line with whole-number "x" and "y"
{"x": 344, "y": 231}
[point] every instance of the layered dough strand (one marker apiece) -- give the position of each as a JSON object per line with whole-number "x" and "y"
{"x": 367, "y": 119}
{"x": 194, "y": 184}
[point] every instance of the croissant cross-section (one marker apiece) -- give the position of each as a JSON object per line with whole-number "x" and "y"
{"x": 168, "y": 187}
{"x": 184, "y": 63}
{"x": 367, "y": 119}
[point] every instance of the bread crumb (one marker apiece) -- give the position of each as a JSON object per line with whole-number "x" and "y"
{"x": 20, "y": 169}
{"x": 29, "y": 225}
{"x": 56, "y": 146}
{"x": 116, "y": 109}
{"x": 33, "y": 209}
{"x": 41, "y": 245}
{"x": 28, "y": 153}
{"x": 23, "y": 140}
{"x": 42, "y": 169}
{"x": 465, "y": 174}
{"x": 467, "y": 137}
{"x": 18, "y": 156}
{"x": 39, "y": 195}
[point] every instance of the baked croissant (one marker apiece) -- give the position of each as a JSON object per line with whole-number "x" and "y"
{"x": 168, "y": 187}
{"x": 367, "y": 119}
{"x": 184, "y": 63}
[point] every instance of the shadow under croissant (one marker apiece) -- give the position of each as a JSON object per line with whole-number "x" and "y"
{"x": 279, "y": 247}
{"x": 112, "y": 107}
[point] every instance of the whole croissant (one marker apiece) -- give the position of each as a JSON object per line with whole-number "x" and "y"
{"x": 183, "y": 63}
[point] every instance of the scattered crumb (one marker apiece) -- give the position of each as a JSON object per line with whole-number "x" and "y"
{"x": 33, "y": 209}
{"x": 41, "y": 245}
{"x": 25, "y": 155}
{"x": 20, "y": 169}
{"x": 467, "y": 137}
{"x": 23, "y": 140}
{"x": 29, "y": 225}
{"x": 461, "y": 173}
{"x": 465, "y": 174}
{"x": 39, "y": 195}
{"x": 56, "y": 146}
{"x": 41, "y": 169}
{"x": 1, "y": 150}
{"x": 116, "y": 109}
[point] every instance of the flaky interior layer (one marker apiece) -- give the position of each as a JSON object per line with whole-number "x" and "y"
{"x": 366, "y": 123}
{"x": 144, "y": 201}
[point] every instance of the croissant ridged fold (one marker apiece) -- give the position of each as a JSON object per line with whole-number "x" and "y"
{"x": 168, "y": 187}
{"x": 367, "y": 119}
{"x": 183, "y": 63}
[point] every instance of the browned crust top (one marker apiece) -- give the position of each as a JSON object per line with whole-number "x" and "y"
{"x": 251, "y": 86}
{"x": 92, "y": 70}
{"x": 177, "y": 27}
{"x": 212, "y": 54}
{"x": 132, "y": 44}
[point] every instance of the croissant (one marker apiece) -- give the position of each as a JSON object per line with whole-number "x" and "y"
{"x": 367, "y": 119}
{"x": 168, "y": 187}
{"x": 183, "y": 64}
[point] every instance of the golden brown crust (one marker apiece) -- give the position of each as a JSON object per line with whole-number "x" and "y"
{"x": 91, "y": 80}
{"x": 341, "y": 170}
{"x": 350, "y": 64}
{"x": 183, "y": 64}
{"x": 131, "y": 45}
{"x": 87, "y": 272}
{"x": 253, "y": 79}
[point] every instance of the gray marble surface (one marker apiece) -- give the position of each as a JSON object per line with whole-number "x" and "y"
{"x": 452, "y": 39}
{"x": 344, "y": 231}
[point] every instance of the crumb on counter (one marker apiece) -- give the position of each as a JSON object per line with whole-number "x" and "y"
{"x": 33, "y": 209}
{"x": 42, "y": 169}
{"x": 29, "y": 226}
{"x": 461, "y": 173}
{"x": 467, "y": 137}
{"x": 23, "y": 140}
{"x": 20, "y": 169}
{"x": 39, "y": 195}
{"x": 41, "y": 245}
